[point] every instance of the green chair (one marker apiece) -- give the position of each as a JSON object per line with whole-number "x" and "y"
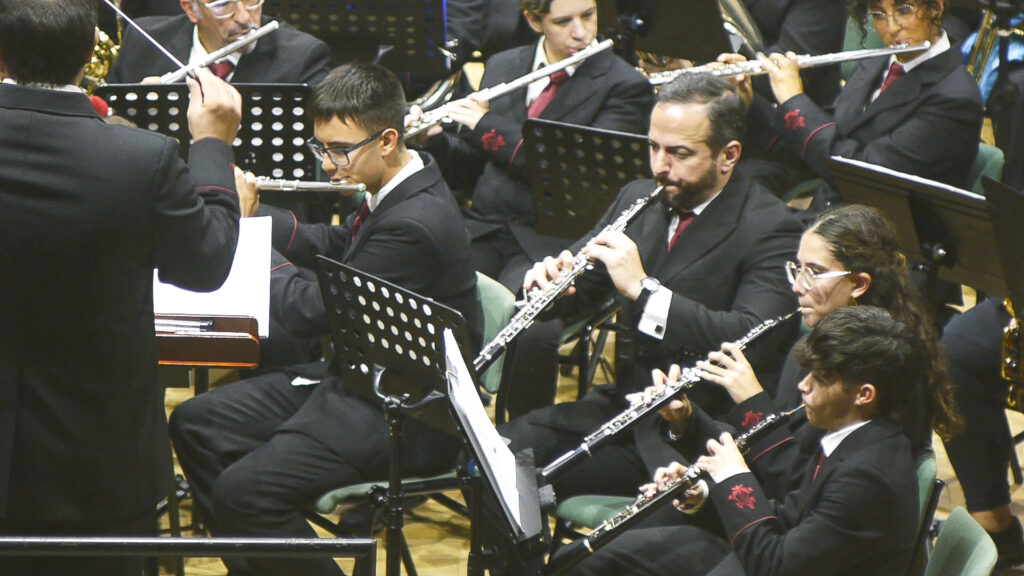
{"x": 929, "y": 489}
{"x": 989, "y": 162}
{"x": 498, "y": 307}
{"x": 963, "y": 548}
{"x": 585, "y": 511}
{"x": 852, "y": 42}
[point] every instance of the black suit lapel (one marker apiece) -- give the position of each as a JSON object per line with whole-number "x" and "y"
{"x": 850, "y": 107}
{"x": 249, "y": 64}
{"x": 582, "y": 86}
{"x": 513, "y": 104}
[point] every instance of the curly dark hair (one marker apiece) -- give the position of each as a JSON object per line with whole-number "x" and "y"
{"x": 862, "y": 239}
{"x": 859, "y": 9}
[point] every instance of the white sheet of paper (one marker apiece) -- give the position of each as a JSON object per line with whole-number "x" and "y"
{"x": 246, "y": 292}
{"x": 470, "y": 409}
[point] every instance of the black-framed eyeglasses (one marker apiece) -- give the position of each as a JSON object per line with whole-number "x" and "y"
{"x": 339, "y": 155}
{"x": 901, "y": 14}
{"x": 808, "y": 276}
{"x": 224, "y": 9}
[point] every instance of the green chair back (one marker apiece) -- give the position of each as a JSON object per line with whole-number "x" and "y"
{"x": 963, "y": 548}
{"x": 499, "y": 307}
{"x": 989, "y": 162}
{"x": 852, "y": 42}
{"x": 926, "y": 474}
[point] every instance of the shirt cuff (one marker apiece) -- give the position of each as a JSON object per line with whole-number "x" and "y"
{"x": 655, "y": 315}
{"x": 724, "y": 475}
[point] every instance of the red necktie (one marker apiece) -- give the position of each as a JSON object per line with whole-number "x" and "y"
{"x": 821, "y": 460}
{"x": 221, "y": 69}
{"x": 545, "y": 98}
{"x": 895, "y": 73}
{"x": 364, "y": 211}
{"x": 684, "y": 221}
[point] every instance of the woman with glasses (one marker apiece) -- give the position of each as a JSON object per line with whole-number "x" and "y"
{"x": 286, "y": 56}
{"x": 918, "y": 112}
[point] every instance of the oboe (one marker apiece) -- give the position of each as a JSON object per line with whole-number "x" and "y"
{"x": 440, "y": 114}
{"x": 538, "y": 300}
{"x": 630, "y": 416}
{"x": 755, "y": 67}
{"x": 646, "y": 504}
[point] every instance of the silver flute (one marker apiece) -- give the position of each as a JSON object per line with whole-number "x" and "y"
{"x": 756, "y": 67}
{"x": 646, "y": 504}
{"x": 441, "y": 114}
{"x": 249, "y": 38}
{"x": 630, "y": 416}
{"x": 264, "y": 183}
{"x": 538, "y": 300}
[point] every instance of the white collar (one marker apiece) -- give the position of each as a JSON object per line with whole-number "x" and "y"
{"x": 57, "y": 87}
{"x": 414, "y": 165}
{"x": 934, "y": 50}
{"x": 832, "y": 440}
{"x": 199, "y": 53}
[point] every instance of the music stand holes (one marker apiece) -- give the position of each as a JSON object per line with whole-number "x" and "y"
{"x": 153, "y": 126}
{"x": 394, "y": 330}
{"x": 403, "y": 317}
{"x": 371, "y": 338}
{"x": 173, "y": 111}
{"x": 298, "y": 111}
{"x": 357, "y": 281}
{"x": 131, "y": 96}
{"x": 277, "y": 173}
{"x": 151, "y": 111}
{"x": 256, "y": 111}
{"x": 400, "y": 299}
{"x": 277, "y": 111}
{"x": 298, "y": 141}
{"x": 430, "y": 329}
{"x": 544, "y": 163}
{"x": 361, "y": 300}
{"x": 257, "y": 126}
{"x": 412, "y": 354}
{"x": 413, "y": 304}
{"x": 297, "y": 157}
{"x": 426, "y": 310}
{"x": 152, "y": 96}
{"x": 385, "y": 344}
{"x": 426, "y": 361}
{"x": 277, "y": 142}
{"x": 408, "y": 336}
{"x": 366, "y": 319}
{"x": 376, "y": 306}
{"x": 298, "y": 126}
{"x": 364, "y": 368}
{"x": 173, "y": 126}
{"x": 422, "y": 342}
{"x": 236, "y": 142}
{"x": 256, "y": 141}
{"x": 277, "y": 126}
{"x": 380, "y": 325}
{"x": 416, "y": 322}
{"x": 390, "y": 311}
{"x": 371, "y": 287}
{"x": 298, "y": 173}
{"x": 278, "y": 157}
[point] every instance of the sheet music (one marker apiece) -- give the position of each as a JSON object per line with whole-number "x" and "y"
{"x": 491, "y": 448}
{"x": 246, "y": 292}
{"x": 909, "y": 177}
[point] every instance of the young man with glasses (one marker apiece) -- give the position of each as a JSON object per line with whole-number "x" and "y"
{"x": 285, "y": 56}
{"x": 917, "y": 112}
{"x": 258, "y": 453}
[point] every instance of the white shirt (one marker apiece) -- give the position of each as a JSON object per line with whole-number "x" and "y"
{"x": 655, "y": 313}
{"x": 199, "y": 53}
{"x": 57, "y": 87}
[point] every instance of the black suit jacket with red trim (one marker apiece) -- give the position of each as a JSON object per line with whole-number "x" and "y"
{"x": 87, "y": 211}
{"x": 603, "y": 92}
{"x": 928, "y": 123}
{"x": 857, "y": 516}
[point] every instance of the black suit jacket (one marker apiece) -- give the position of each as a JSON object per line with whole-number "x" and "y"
{"x": 604, "y": 92}
{"x": 415, "y": 238}
{"x": 285, "y": 56}
{"x": 928, "y": 123}
{"x": 857, "y": 516}
{"x": 87, "y": 210}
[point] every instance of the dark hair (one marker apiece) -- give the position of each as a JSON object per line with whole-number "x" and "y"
{"x": 538, "y": 7}
{"x": 46, "y": 41}
{"x": 858, "y": 10}
{"x": 364, "y": 94}
{"x": 864, "y": 344}
{"x": 862, "y": 239}
{"x": 726, "y": 112}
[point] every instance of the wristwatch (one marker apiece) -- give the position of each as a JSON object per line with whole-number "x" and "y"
{"x": 648, "y": 286}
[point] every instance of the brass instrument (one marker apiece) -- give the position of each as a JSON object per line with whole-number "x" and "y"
{"x": 538, "y": 300}
{"x": 982, "y": 50}
{"x": 439, "y": 93}
{"x": 737, "y": 20}
{"x": 756, "y": 67}
{"x": 630, "y": 416}
{"x": 1010, "y": 368}
{"x": 102, "y": 57}
{"x": 278, "y": 185}
{"x": 645, "y": 505}
{"x": 253, "y": 35}
{"x": 440, "y": 114}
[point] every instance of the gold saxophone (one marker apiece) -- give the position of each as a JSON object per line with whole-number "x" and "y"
{"x": 1010, "y": 368}
{"x": 102, "y": 57}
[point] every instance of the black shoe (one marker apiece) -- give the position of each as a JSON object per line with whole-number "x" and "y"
{"x": 1010, "y": 545}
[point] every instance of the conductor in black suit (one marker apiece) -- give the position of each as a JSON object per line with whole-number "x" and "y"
{"x": 701, "y": 267}
{"x": 258, "y": 453}
{"x": 285, "y": 56}
{"x": 87, "y": 211}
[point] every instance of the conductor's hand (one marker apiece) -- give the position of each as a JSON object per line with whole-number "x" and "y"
{"x": 248, "y": 192}
{"x": 723, "y": 455}
{"x": 784, "y": 73}
{"x": 619, "y": 254}
{"x": 742, "y": 82}
{"x": 730, "y": 369}
{"x": 469, "y": 110}
{"x": 545, "y": 273}
{"x": 214, "y": 109}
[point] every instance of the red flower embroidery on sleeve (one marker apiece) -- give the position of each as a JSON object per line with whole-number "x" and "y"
{"x": 752, "y": 418}
{"x": 794, "y": 120}
{"x": 742, "y": 496}
{"x": 492, "y": 141}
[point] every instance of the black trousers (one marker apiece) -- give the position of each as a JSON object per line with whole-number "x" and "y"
{"x": 140, "y": 525}
{"x": 980, "y": 455}
{"x": 254, "y": 475}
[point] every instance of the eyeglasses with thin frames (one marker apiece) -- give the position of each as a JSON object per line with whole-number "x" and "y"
{"x": 901, "y": 14}
{"x": 808, "y": 276}
{"x": 339, "y": 156}
{"x": 224, "y": 9}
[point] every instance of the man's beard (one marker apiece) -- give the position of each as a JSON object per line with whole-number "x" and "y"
{"x": 689, "y": 195}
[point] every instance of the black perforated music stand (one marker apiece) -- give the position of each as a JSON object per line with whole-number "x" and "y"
{"x": 948, "y": 230}
{"x": 576, "y": 172}
{"x": 1007, "y": 211}
{"x": 271, "y": 140}
{"x": 692, "y": 30}
{"x": 401, "y": 35}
